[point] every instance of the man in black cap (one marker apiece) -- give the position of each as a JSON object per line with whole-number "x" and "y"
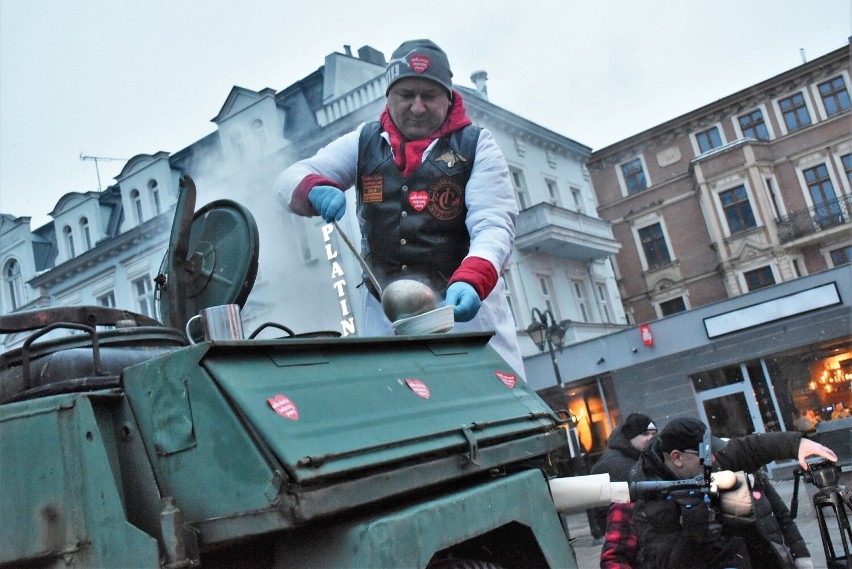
{"x": 434, "y": 198}
{"x": 682, "y": 535}
{"x": 624, "y": 446}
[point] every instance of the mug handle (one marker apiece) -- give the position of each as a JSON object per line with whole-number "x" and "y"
{"x": 188, "y": 333}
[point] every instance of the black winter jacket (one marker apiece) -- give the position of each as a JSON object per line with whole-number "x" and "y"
{"x": 617, "y": 461}
{"x": 662, "y": 542}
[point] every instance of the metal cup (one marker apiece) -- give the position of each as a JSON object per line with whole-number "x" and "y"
{"x": 218, "y": 323}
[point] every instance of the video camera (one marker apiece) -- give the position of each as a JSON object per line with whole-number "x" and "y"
{"x": 680, "y": 489}
{"x": 821, "y": 472}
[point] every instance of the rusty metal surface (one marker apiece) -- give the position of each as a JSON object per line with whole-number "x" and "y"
{"x": 88, "y": 315}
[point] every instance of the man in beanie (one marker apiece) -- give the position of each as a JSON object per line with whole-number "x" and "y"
{"x": 682, "y": 534}
{"x": 434, "y": 198}
{"x": 624, "y": 446}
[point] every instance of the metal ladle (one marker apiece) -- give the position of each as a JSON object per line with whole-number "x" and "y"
{"x": 403, "y": 298}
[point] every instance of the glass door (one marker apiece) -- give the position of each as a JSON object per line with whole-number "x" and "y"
{"x": 730, "y": 411}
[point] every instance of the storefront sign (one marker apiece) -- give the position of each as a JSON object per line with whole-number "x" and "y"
{"x": 647, "y": 337}
{"x": 347, "y": 321}
{"x": 772, "y": 310}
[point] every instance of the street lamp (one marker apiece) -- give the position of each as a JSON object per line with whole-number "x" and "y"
{"x": 545, "y": 331}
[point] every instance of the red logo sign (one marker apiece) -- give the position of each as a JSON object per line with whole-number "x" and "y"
{"x": 510, "y": 380}
{"x": 419, "y": 63}
{"x": 647, "y": 337}
{"x": 284, "y": 407}
{"x": 418, "y": 200}
{"x": 418, "y": 387}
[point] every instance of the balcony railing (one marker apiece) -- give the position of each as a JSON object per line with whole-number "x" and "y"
{"x": 556, "y": 231}
{"x": 813, "y": 220}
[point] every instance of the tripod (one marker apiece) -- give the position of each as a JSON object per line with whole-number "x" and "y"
{"x": 835, "y": 498}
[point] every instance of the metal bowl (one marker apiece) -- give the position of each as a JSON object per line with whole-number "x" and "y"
{"x": 406, "y": 298}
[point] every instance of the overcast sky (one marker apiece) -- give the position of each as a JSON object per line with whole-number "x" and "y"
{"x": 115, "y": 78}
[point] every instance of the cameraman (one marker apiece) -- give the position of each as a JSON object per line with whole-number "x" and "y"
{"x": 683, "y": 534}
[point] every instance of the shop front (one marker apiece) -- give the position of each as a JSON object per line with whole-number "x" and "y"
{"x": 777, "y": 359}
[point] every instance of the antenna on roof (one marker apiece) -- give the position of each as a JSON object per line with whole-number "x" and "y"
{"x": 103, "y": 159}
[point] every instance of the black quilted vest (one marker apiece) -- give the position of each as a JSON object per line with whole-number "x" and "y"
{"x": 415, "y": 227}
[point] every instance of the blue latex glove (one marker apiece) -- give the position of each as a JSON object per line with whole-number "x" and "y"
{"x": 329, "y": 202}
{"x": 465, "y": 299}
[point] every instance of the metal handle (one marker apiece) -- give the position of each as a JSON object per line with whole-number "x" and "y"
{"x": 361, "y": 260}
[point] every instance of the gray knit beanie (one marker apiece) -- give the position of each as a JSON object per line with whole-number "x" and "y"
{"x": 420, "y": 58}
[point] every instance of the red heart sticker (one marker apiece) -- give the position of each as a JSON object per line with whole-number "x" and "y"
{"x": 418, "y": 200}
{"x": 756, "y": 494}
{"x": 510, "y": 380}
{"x": 284, "y": 407}
{"x": 419, "y": 63}
{"x": 418, "y": 387}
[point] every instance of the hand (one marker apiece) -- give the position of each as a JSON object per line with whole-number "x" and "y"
{"x": 465, "y": 299}
{"x": 804, "y": 563}
{"x": 329, "y": 202}
{"x": 807, "y": 448}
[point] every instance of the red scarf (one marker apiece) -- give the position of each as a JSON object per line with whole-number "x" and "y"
{"x": 408, "y": 154}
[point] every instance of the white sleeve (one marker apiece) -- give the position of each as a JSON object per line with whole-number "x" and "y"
{"x": 337, "y": 161}
{"x": 491, "y": 206}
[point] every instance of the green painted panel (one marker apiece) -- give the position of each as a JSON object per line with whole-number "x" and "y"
{"x": 331, "y": 407}
{"x": 58, "y": 486}
{"x": 410, "y": 536}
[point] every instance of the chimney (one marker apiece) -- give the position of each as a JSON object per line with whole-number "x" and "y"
{"x": 372, "y": 55}
{"x": 479, "y": 78}
{"x": 348, "y": 50}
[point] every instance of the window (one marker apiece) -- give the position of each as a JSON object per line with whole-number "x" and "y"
{"x": 552, "y": 191}
{"x": 107, "y": 300}
{"x": 603, "y": 302}
{"x": 770, "y": 188}
{"x": 580, "y": 299}
{"x": 144, "y": 296}
{"x": 13, "y": 283}
{"x": 87, "y": 234}
{"x": 654, "y": 245}
{"x": 239, "y": 147}
{"x": 546, "y": 288}
{"x": 520, "y": 188}
{"x": 258, "y": 133}
{"x": 708, "y": 139}
{"x": 507, "y": 279}
{"x": 841, "y": 256}
{"x": 634, "y": 176}
{"x": 154, "y": 190}
{"x": 759, "y": 278}
{"x": 737, "y": 209}
{"x": 136, "y": 204}
{"x": 753, "y": 125}
{"x": 834, "y": 95}
{"x": 69, "y": 240}
{"x": 672, "y": 306}
{"x": 577, "y": 196}
{"x": 847, "y": 167}
{"x": 795, "y": 112}
{"x": 827, "y": 210}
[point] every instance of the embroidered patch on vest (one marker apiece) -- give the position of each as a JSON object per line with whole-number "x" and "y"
{"x": 418, "y": 200}
{"x": 446, "y": 201}
{"x": 372, "y": 188}
{"x": 450, "y": 157}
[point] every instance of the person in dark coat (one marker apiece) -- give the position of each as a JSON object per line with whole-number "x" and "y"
{"x": 680, "y": 534}
{"x": 624, "y": 446}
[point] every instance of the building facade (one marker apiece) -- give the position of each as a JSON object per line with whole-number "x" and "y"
{"x": 738, "y": 211}
{"x": 107, "y": 247}
{"x": 749, "y": 191}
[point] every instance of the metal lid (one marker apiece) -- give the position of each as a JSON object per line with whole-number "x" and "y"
{"x": 212, "y": 262}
